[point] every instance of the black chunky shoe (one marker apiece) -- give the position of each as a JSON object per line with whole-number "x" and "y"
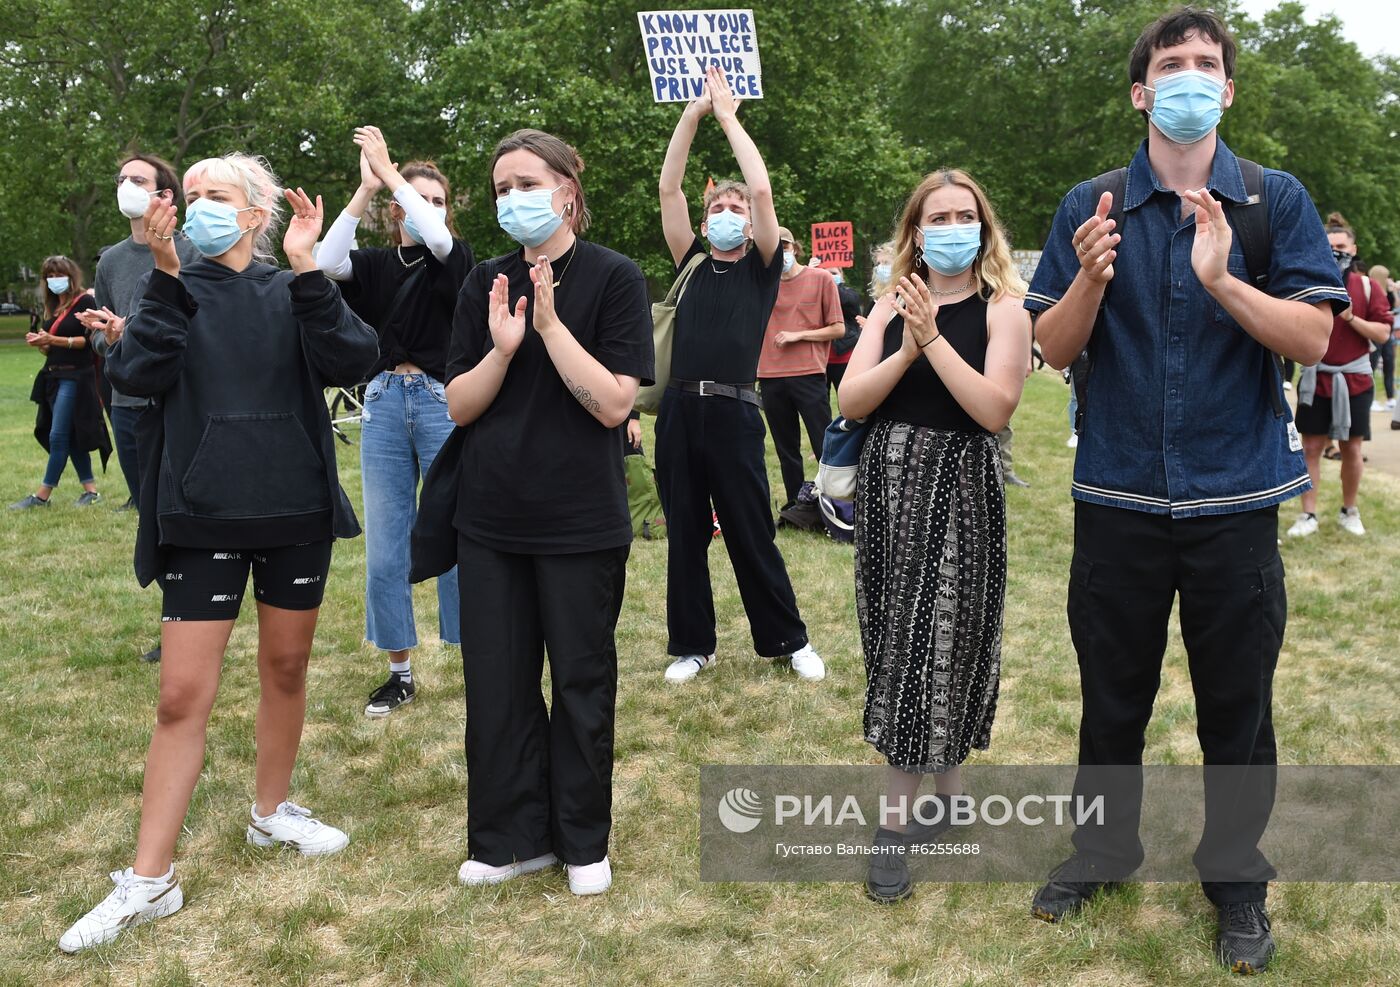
{"x": 390, "y": 696}
{"x": 1243, "y": 943}
{"x": 1071, "y": 886}
{"x": 889, "y": 880}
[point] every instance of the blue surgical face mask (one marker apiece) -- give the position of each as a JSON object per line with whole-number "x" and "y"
{"x": 725, "y": 230}
{"x": 1186, "y": 106}
{"x": 883, "y": 272}
{"x": 57, "y": 285}
{"x": 412, "y": 230}
{"x": 789, "y": 258}
{"x": 951, "y": 250}
{"x": 528, "y": 218}
{"x": 213, "y": 226}
{"x": 837, "y": 276}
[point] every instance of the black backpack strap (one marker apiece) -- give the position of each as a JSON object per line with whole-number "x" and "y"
{"x": 1116, "y": 183}
{"x": 1250, "y": 221}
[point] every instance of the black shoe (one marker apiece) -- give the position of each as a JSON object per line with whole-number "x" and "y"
{"x": 917, "y": 832}
{"x": 152, "y": 656}
{"x": 1243, "y": 943}
{"x": 888, "y": 880}
{"x": 390, "y": 696}
{"x": 130, "y": 505}
{"x": 1071, "y": 886}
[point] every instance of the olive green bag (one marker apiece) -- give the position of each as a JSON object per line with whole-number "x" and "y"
{"x": 663, "y": 322}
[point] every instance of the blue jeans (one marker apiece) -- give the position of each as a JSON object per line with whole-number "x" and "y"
{"x": 405, "y": 424}
{"x": 124, "y": 434}
{"x": 61, "y": 438}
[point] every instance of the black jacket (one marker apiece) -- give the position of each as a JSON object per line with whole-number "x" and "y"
{"x": 241, "y": 454}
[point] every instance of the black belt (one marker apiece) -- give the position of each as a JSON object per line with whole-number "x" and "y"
{"x": 708, "y": 388}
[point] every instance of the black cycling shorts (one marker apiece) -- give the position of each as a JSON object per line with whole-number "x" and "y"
{"x": 206, "y": 584}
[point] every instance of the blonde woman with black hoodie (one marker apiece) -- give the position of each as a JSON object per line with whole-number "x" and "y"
{"x": 241, "y": 476}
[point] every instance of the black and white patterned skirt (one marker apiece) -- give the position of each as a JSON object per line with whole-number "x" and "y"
{"x": 930, "y": 587}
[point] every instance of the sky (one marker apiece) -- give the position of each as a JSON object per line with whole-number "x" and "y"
{"x": 1374, "y": 25}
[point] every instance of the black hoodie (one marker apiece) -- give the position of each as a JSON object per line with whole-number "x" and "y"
{"x": 238, "y": 451}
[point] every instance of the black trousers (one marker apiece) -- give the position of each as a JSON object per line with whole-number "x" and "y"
{"x": 1127, "y": 569}
{"x": 789, "y": 403}
{"x": 539, "y": 780}
{"x": 709, "y": 450}
{"x": 834, "y": 373}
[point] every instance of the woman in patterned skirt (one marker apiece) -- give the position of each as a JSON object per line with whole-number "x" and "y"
{"x": 938, "y": 372}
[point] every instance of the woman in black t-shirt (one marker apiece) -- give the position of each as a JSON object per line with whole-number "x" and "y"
{"x": 69, "y": 424}
{"x": 407, "y": 292}
{"x": 549, "y": 344}
{"x": 939, "y": 371}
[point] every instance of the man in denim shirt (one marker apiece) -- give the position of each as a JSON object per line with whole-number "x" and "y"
{"x": 1182, "y": 462}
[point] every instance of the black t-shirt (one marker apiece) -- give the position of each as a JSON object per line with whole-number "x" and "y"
{"x": 61, "y": 360}
{"x": 417, "y": 329}
{"x": 921, "y": 397}
{"x": 722, "y": 316}
{"x": 540, "y": 475}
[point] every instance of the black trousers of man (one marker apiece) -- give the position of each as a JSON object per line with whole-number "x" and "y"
{"x": 791, "y": 402}
{"x": 709, "y": 450}
{"x": 1128, "y": 567}
{"x": 539, "y": 780}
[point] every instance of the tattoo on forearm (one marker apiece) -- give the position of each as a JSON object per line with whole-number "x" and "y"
{"x": 583, "y": 395}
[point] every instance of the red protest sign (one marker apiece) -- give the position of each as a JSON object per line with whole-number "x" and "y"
{"x": 834, "y": 244}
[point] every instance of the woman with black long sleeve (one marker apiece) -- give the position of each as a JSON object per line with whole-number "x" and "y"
{"x": 241, "y": 476}
{"x": 549, "y": 345}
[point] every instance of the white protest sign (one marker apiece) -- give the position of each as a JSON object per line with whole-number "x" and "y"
{"x": 682, "y": 45}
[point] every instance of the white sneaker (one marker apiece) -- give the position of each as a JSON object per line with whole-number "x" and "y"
{"x": 1287, "y": 386}
{"x": 1304, "y": 526}
{"x": 474, "y": 873}
{"x": 686, "y": 667}
{"x": 1376, "y": 407}
{"x": 293, "y": 826}
{"x": 590, "y": 878}
{"x": 1350, "y": 518}
{"x": 134, "y": 901}
{"x": 1073, "y": 441}
{"x": 808, "y": 664}
{"x": 1390, "y": 404}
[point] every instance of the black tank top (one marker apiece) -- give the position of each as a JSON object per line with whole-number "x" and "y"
{"x": 921, "y": 397}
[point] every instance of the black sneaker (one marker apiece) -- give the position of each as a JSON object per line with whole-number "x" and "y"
{"x": 33, "y": 500}
{"x": 390, "y": 696}
{"x": 888, "y": 880}
{"x": 1243, "y": 943}
{"x": 1071, "y": 886}
{"x": 152, "y": 656}
{"x": 129, "y": 505}
{"x": 87, "y": 498}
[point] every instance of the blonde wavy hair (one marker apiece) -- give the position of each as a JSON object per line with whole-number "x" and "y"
{"x": 260, "y": 186}
{"x": 994, "y": 273}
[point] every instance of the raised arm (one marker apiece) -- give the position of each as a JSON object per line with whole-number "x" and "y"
{"x": 436, "y": 236}
{"x": 1063, "y": 330}
{"x": 334, "y": 255}
{"x": 869, "y": 379}
{"x": 675, "y": 211}
{"x": 763, "y": 217}
{"x": 151, "y": 353}
{"x": 471, "y": 392}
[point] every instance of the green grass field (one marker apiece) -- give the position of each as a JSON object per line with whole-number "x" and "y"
{"x": 13, "y": 326}
{"x": 388, "y": 910}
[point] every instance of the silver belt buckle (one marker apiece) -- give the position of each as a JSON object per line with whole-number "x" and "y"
{"x": 704, "y": 393}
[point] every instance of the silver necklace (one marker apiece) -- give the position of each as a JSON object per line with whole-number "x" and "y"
{"x": 953, "y": 291}
{"x": 406, "y": 263}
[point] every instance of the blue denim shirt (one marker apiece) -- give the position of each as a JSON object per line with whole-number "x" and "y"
{"x": 1179, "y": 418}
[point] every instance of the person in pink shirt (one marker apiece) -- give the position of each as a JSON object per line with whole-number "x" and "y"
{"x": 792, "y": 364}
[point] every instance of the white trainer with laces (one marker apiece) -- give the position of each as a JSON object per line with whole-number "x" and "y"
{"x": 292, "y": 825}
{"x": 808, "y": 664}
{"x": 134, "y": 901}
{"x": 686, "y": 667}
{"x": 1350, "y": 519}
{"x": 474, "y": 873}
{"x": 1376, "y": 407}
{"x": 585, "y": 879}
{"x": 1304, "y": 526}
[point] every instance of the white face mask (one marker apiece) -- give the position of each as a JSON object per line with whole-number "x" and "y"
{"x": 789, "y": 258}
{"x": 132, "y": 199}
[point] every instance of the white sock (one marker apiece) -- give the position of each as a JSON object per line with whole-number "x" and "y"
{"x": 155, "y": 880}
{"x": 402, "y": 669}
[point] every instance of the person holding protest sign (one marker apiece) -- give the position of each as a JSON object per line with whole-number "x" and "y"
{"x": 407, "y": 292}
{"x": 549, "y": 344}
{"x": 938, "y": 371}
{"x": 709, "y": 433}
{"x": 1185, "y": 452}
{"x": 242, "y": 476}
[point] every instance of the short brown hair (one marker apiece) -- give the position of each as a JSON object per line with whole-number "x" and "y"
{"x": 430, "y": 171}
{"x": 730, "y": 186}
{"x": 558, "y": 155}
{"x": 165, "y": 171}
{"x": 1172, "y": 28}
